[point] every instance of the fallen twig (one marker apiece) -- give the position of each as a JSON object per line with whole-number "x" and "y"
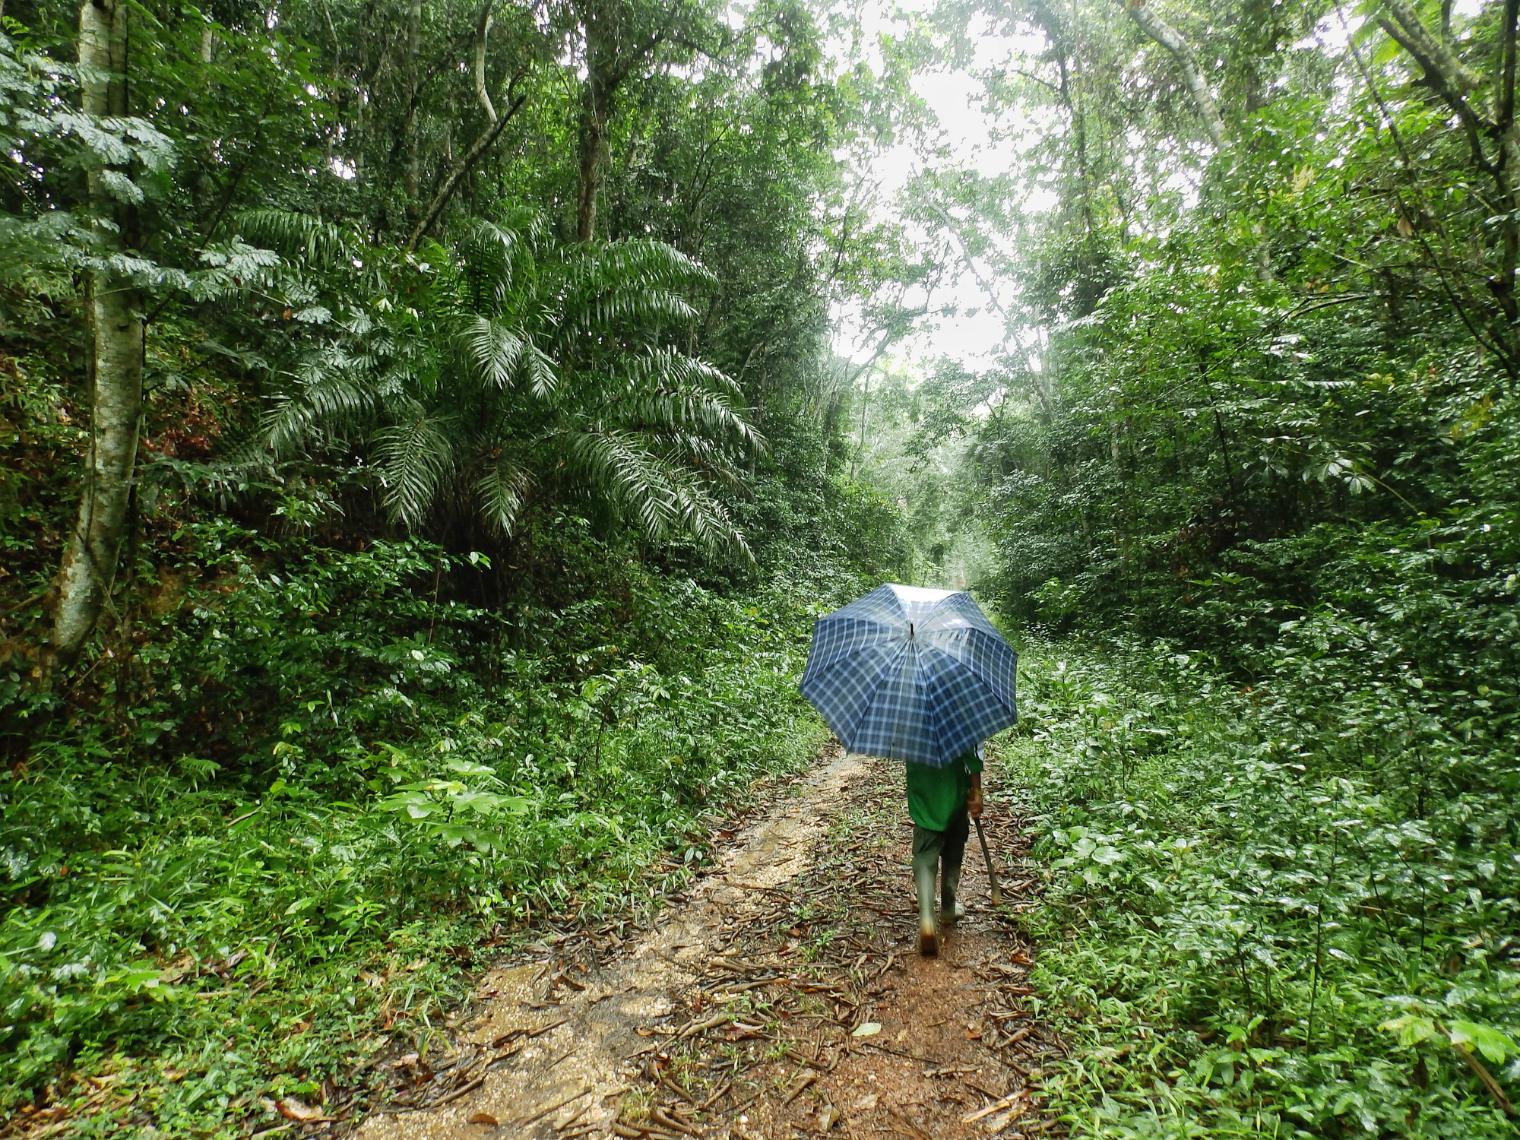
{"x": 543, "y": 1112}
{"x": 1006, "y": 1102}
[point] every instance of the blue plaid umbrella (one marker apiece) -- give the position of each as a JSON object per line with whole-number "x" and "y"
{"x": 911, "y": 673}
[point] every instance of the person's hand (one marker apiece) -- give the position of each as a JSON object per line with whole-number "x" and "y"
{"x": 974, "y": 803}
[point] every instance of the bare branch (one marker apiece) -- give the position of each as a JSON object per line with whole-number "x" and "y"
{"x": 482, "y": 30}
{"x": 451, "y": 182}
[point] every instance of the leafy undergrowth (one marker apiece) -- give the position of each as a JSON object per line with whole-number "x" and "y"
{"x": 1286, "y": 909}
{"x": 332, "y": 799}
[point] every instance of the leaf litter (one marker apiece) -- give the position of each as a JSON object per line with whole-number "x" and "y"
{"x": 779, "y": 996}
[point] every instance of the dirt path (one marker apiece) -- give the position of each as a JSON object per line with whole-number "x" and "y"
{"x": 780, "y": 997}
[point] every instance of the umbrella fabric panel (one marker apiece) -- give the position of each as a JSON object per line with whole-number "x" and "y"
{"x": 843, "y": 687}
{"x": 958, "y": 611}
{"x": 985, "y": 654}
{"x": 966, "y": 709}
{"x": 911, "y": 673}
{"x": 898, "y": 722}
{"x": 836, "y": 638}
{"x": 881, "y": 606}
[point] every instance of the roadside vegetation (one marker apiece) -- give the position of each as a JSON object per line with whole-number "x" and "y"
{"x": 328, "y": 801}
{"x": 1252, "y": 494}
{"x": 1278, "y": 908}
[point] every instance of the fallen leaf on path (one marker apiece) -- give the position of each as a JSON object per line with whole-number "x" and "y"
{"x": 293, "y": 1109}
{"x": 178, "y": 969}
{"x": 867, "y": 1029}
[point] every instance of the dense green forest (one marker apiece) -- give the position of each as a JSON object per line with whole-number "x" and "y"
{"x": 430, "y": 431}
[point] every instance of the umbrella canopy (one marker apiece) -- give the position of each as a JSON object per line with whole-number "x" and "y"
{"x": 911, "y": 673}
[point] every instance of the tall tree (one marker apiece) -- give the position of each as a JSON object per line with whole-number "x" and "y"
{"x": 618, "y": 36}
{"x": 115, "y": 348}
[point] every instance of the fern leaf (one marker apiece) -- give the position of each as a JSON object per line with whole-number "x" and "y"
{"x": 297, "y": 236}
{"x": 415, "y": 455}
{"x": 492, "y": 349}
{"x": 502, "y": 490}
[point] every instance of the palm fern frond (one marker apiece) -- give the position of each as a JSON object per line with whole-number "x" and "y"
{"x": 487, "y": 255}
{"x": 332, "y": 391}
{"x": 295, "y": 235}
{"x": 637, "y": 262}
{"x": 539, "y": 371}
{"x": 502, "y": 490}
{"x": 698, "y": 514}
{"x": 492, "y": 350}
{"x": 664, "y": 388}
{"x": 517, "y": 365}
{"x": 616, "y": 467}
{"x": 717, "y": 460}
{"x": 661, "y": 496}
{"x": 415, "y": 455}
{"x": 636, "y": 282}
{"x": 629, "y": 304}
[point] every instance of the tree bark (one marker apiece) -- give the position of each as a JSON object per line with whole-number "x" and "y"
{"x": 1454, "y": 83}
{"x": 413, "y": 174}
{"x": 114, "y": 354}
{"x": 495, "y": 124}
{"x": 1420, "y": 42}
{"x": 596, "y": 110}
{"x": 601, "y": 25}
{"x": 1187, "y": 63}
{"x": 609, "y": 61}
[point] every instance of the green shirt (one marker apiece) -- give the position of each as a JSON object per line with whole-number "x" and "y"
{"x": 937, "y": 794}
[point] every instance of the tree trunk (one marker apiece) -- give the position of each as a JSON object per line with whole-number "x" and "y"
{"x": 610, "y": 59}
{"x": 495, "y": 123}
{"x": 596, "y": 111}
{"x": 1187, "y": 63}
{"x": 115, "y": 358}
{"x": 412, "y": 176}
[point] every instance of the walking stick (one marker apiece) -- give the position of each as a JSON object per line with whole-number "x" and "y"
{"x": 997, "y": 894}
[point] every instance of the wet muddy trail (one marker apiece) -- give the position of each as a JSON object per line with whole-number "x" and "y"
{"x": 780, "y": 996}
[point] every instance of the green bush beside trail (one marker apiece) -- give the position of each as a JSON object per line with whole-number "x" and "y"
{"x": 325, "y": 799}
{"x": 1286, "y": 908}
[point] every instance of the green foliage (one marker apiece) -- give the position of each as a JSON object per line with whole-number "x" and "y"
{"x": 1289, "y": 908}
{"x": 314, "y": 816}
{"x": 510, "y": 367}
{"x": 313, "y": 771}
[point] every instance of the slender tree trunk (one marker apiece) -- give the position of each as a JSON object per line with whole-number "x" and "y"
{"x": 596, "y": 111}
{"x": 1187, "y": 63}
{"x": 1507, "y": 178}
{"x": 610, "y": 59}
{"x": 1453, "y": 83}
{"x": 495, "y": 123}
{"x": 413, "y": 175}
{"x": 115, "y": 359}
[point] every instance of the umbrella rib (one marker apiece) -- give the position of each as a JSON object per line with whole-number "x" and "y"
{"x": 841, "y": 662}
{"x": 931, "y": 714}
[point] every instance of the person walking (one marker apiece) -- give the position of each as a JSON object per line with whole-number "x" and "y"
{"x": 942, "y": 801}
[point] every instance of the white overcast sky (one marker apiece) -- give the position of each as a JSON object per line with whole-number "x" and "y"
{"x": 975, "y": 336}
